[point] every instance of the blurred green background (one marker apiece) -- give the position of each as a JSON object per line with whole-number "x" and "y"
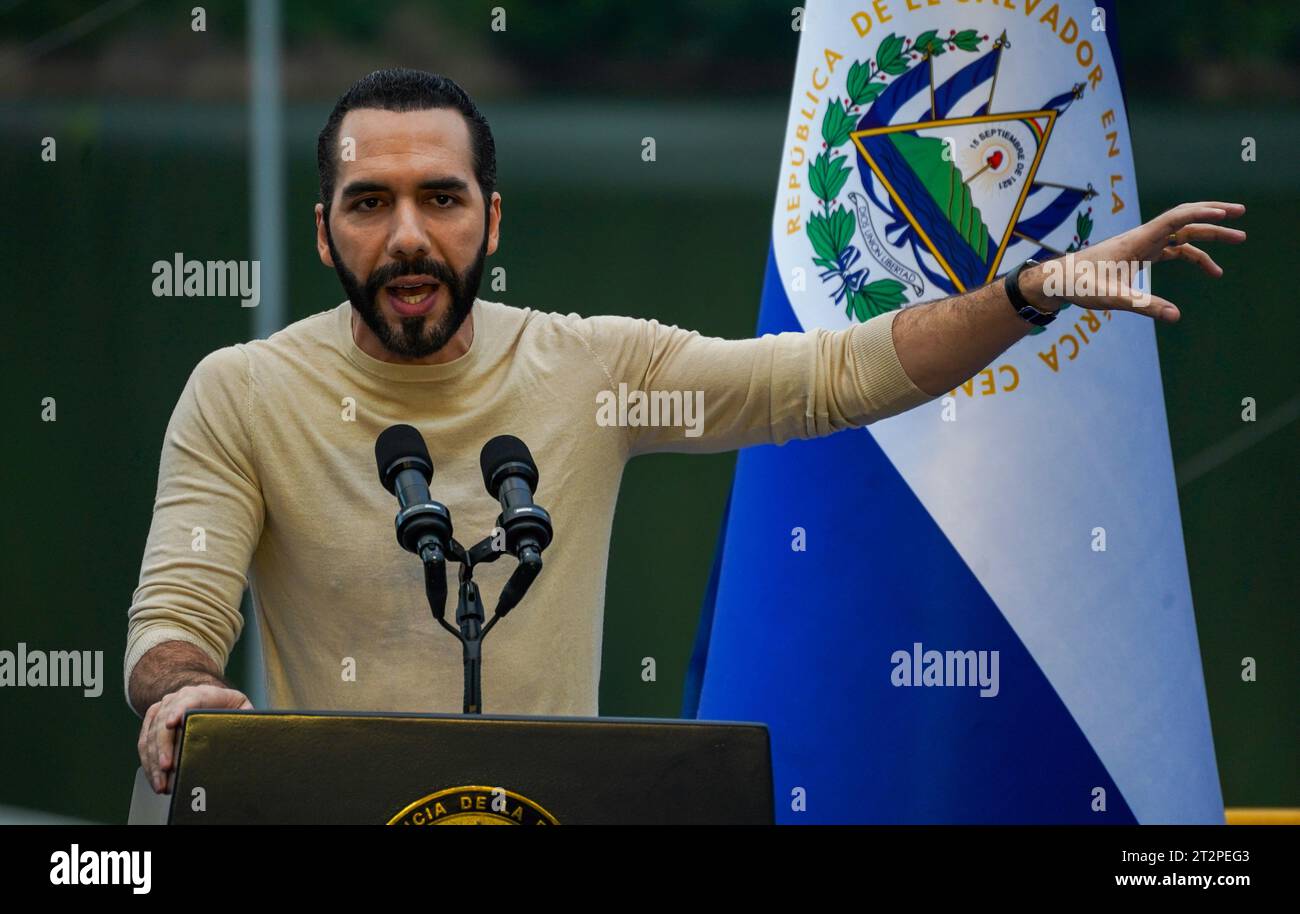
{"x": 151, "y": 121}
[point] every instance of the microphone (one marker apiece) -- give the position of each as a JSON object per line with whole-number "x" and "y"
{"x": 423, "y": 525}
{"x": 510, "y": 476}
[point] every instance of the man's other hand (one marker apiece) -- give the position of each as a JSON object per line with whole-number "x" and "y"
{"x": 158, "y": 733}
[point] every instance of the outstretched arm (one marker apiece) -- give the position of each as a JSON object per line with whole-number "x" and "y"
{"x": 804, "y": 385}
{"x": 942, "y": 343}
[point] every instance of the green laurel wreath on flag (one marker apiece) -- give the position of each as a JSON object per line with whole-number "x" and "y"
{"x": 831, "y": 230}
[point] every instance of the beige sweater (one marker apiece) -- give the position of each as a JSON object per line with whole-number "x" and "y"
{"x": 268, "y": 466}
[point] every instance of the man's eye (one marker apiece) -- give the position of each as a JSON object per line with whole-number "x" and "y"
{"x": 441, "y": 197}
{"x": 361, "y": 204}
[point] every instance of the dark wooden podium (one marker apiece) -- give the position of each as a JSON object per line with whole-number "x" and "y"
{"x": 311, "y": 768}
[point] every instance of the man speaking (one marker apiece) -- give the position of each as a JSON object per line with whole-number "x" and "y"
{"x": 267, "y": 466}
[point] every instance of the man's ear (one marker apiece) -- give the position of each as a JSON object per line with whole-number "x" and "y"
{"x": 494, "y": 223}
{"x": 322, "y": 245}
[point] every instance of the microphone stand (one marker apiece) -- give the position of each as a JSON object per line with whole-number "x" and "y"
{"x": 469, "y": 606}
{"x": 469, "y": 616}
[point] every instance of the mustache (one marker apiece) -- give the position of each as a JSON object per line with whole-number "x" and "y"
{"x": 390, "y": 273}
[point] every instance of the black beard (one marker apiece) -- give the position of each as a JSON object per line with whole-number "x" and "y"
{"x": 410, "y": 339}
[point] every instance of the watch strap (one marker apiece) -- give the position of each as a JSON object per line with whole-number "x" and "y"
{"x": 1018, "y": 301}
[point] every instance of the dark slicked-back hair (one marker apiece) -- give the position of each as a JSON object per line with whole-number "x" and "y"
{"x": 407, "y": 90}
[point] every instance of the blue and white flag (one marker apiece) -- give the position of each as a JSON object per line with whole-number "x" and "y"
{"x": 977, "y": 611}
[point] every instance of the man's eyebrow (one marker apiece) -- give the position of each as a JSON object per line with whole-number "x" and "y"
{"x": 356, "y": 188}
{"x": 446, "y": 183}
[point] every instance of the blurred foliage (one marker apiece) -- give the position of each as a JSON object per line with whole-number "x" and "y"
{"x": 643, "y": 47}
{"x": 537, "y": 30}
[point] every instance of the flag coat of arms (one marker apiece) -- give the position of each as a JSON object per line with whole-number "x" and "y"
{"x": 979, "y": 610}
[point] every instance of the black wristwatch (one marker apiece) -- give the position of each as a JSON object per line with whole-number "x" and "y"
{"x": 1020, "y": 303}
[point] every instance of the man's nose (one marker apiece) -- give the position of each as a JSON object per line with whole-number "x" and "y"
{"x": 408, "y": 237}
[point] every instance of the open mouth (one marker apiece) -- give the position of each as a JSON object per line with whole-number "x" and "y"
{"x": 412, "y": 296}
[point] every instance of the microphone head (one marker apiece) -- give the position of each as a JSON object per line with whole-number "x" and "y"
{"x": 401, "y": 447}
{"x": 506, "y": 455}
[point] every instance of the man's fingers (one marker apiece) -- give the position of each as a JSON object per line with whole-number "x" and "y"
{"x": 1227, "y": 210}
{"x": 146, "y": 745}
{"x": 1153, "y": 306}
{"x": 1233, "y": 210}
{"x": 1181, "y": 216}
{"x": 165, "y": 736}
{"x": 1195, "y": 255}
{"x": 152, "y": 747}
{"x": 1184, "y": 214}
{"x": 143, "y": 741}
{"x": 1203, "y": 231}
{"x": 155, "y": 745}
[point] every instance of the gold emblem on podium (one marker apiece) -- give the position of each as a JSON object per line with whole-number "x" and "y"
{"x": 474, "y": 805}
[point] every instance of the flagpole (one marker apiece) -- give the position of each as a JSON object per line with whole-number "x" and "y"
{"x": 266, "y": 170}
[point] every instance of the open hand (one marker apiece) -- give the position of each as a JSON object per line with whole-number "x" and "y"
{"x": 1101, "y": 277}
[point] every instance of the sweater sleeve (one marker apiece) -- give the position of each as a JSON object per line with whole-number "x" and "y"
{"x": 207, "y": 518}
{"x": 766, "y": 390}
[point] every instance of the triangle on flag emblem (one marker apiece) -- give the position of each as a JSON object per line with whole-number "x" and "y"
{"x": 961, "y": 182}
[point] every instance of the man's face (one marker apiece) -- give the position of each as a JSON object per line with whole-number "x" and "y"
{"x": 407, "y": 232}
